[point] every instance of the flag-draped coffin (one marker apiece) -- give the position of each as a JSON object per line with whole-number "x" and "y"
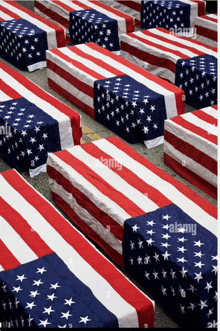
{"x": 25, "y": 36}
{"x": 33, "y": 123}
{"x": 51, "y": 276}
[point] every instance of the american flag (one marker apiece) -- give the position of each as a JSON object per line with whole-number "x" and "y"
{"x": 51, "y": 276}
{"x": 157, "y": 50}
{"x": 201, "y": 88}
{"x": 130, "y": 109}
{"x": 190, "y": 147}
{"x": 90, "y": 25}
{"x": 175, "y": 259}
{"x": 36, "y": 122}
{"x": 73, "y": 71}
{"x": 170, "y": 14}
{"x": 102, "y": 184}
{"x": 134, "y": 7}
{"x": 19, "y": 21}
{"x": 60, "y": 12}
{"x": 23, "y": 44}
{"x": 206, "y": 28}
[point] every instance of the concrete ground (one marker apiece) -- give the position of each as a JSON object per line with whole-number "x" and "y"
{"x": 93, "y": 131}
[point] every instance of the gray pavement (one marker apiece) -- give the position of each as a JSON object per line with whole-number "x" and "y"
{"x": 154, "y": 155}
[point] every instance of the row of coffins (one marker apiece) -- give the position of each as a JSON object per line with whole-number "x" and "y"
{"x": 161, "y": 232}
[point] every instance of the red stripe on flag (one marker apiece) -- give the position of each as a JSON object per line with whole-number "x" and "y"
{"x": 7, "y": 259}
{"x": 9, "y": 13}
{"x": 179, "y": 44}
{"x": 192, "y": 177}
{"x": 131, "y": 4}
{"x": 98, "y": 62}
{"x": 170, "y": 87}
{"x": 111, "y": 252}
{"x": 180, "y": 53}
{"x": 201, "y": 7}
{"x": 75, "y": 118}
{"x": 73, "y": 80}
{"x": 104, "y": 187}
{"x": 191, "y": 151}
{"x": 77, "y": 102}
{"x": 206, "y": 117}
{"x": 148, "y": 57}
{"x": 9, "y": 91}
{"x": 203, "y": 203}
{"x": 76, "y": 63}
{"x": 195, "y": 129}
{"x": 21, "y": 226}
{"x": 107, "y": 270}
{"x": 132, "y": 179}
{"x": 205, "y": 32}
{"x": 52, "y": 14}
{"x": 211, "y": 19}
{"x": 80, "y": 4}
{"x": 87, "y": 204}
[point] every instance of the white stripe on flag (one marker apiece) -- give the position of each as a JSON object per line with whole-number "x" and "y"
{"x": 99, "y": 286}
{"x": 169, "y": 97}
{"x": 169, "y": 191}
{"x": 211, "y": 129}
{"x": 87, "y": 63}
{"x": 51, "y": 33}
{"x": 207, "y": 24}
{"x": 4, "y": 97}
{"x": 64, "y": 123}
{"x": 114, "y": 180}
{"x": 211, "y": 111}
{"x": 167, "y": 44}
{"x": 24, "y": 254}
{"x": 4, "y": 16}
{"x": 192, "y": 165}
{"x": 190, "y": 137}
{"x": 100, "y": 200}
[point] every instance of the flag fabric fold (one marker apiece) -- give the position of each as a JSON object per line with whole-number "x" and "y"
{"x": 51, "y": 275}
{"x": 33, "y": 123}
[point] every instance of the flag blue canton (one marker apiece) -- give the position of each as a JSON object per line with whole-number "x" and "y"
{"x": 45, "y": 293}
{"x": 129, "y": 108}
{"x": 31, "y": 134}
{"x": 93, "y": 26}
{"x": 166, "y": 14}
{"x": 175, "y": 259}
{"x": 197, "y": 76}
{"x": 22, "y": 43}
